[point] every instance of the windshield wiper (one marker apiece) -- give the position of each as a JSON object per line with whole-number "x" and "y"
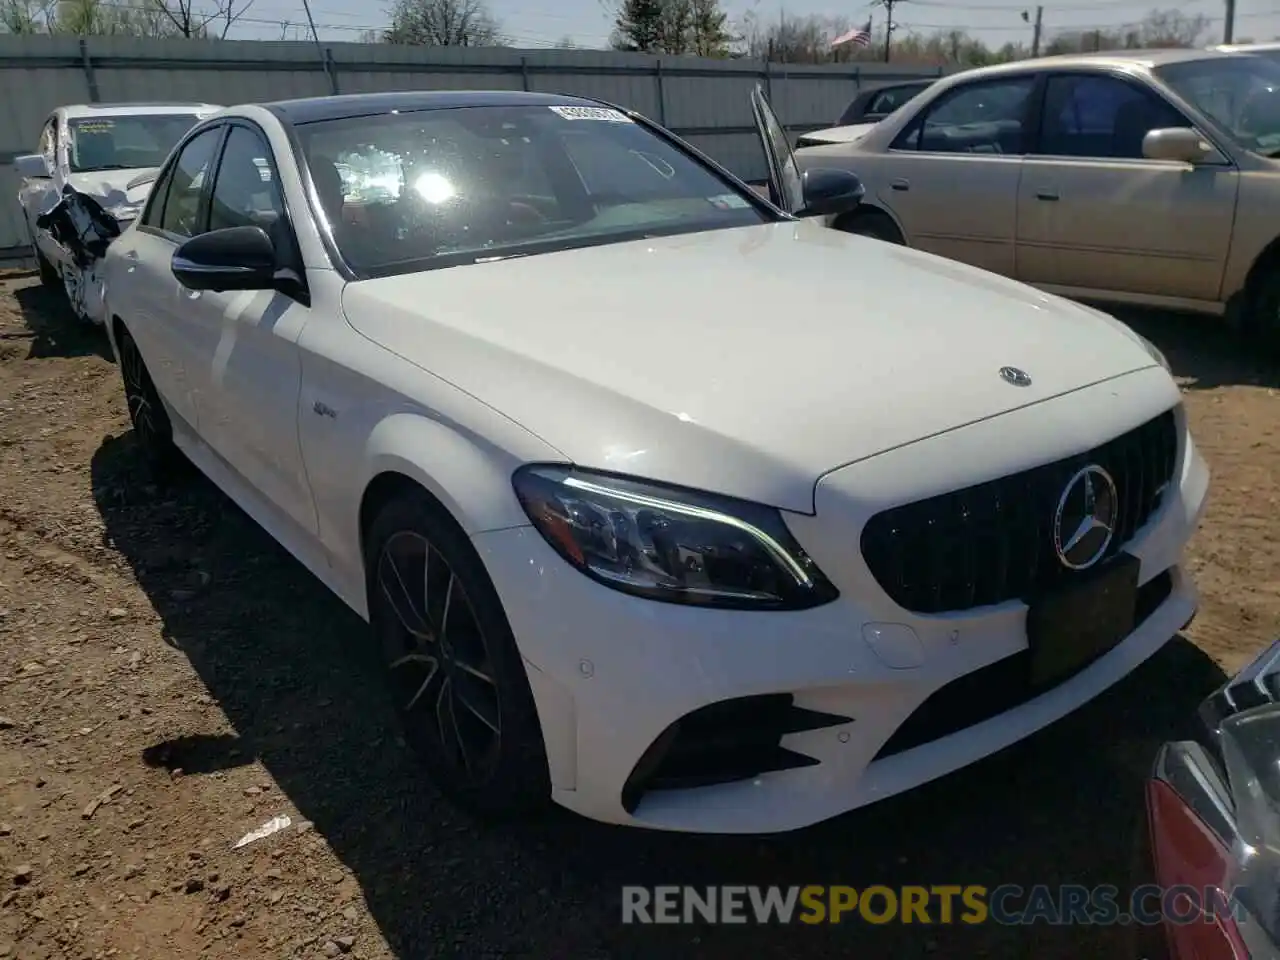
{"x": 106, "y": 166}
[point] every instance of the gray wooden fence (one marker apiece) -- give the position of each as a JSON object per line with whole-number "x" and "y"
{"x": 706, "y": 101}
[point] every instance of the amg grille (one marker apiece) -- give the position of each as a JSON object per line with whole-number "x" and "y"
{"x": 992, "y": 542}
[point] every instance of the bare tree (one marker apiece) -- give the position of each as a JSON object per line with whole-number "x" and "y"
{"x": 1171, "y": 28}
{"x": 791, "y": 39}
{"x": 188, "y": 19}
{"x": 139, "y": 18}
{"x": 27, "y": 16}
{"x": 443, "y": 23}
{"x": 1160, "y": 28}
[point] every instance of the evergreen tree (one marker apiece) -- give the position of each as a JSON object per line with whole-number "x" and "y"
{"x": 709, "y": 36}
{"x": 640, "y": 26}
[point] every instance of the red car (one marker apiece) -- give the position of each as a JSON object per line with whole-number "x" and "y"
{"x": 1213, "y": 809}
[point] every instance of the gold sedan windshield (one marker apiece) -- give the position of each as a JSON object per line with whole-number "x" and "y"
{"x": 1240, "y": 93}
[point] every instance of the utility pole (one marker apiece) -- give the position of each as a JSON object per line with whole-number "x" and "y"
{"x": 311, "y": 22}
{"x": 1035, "y": 35}
{"x": 1229, "y": 22}
{"x": 888, "y": 23}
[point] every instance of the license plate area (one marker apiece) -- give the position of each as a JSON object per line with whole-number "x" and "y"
{"x": 1077, "y": 622}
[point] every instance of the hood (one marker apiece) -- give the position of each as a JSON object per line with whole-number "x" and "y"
{"x": 848, "y": 134}
{"x": 116, "y": 190}
{"x": 747, "y": 361}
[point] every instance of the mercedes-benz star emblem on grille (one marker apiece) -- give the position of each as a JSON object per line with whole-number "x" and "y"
{"x": 1085, "y": 519}
{"x": 1019, "y": 378}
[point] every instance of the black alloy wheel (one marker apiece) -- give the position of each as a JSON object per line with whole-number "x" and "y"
{"x": 454, "y": 672}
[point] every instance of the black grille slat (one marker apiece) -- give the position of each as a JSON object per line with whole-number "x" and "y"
{"x": 992, "y": 542}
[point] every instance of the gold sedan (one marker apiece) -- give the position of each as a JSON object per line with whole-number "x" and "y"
{"x": 1140, "y": 176}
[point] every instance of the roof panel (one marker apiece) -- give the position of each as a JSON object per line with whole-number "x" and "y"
{"x": 313, "y": 109}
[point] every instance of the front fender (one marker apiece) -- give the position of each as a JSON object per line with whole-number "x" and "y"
{"x": 469, "y": 476}
{"x": 467, "y": 471}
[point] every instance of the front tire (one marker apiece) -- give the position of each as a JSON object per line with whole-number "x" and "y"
{"x": 151, "y": 425}
{"x": 1262, "y": 315}
{"x": 452, "y": 666}
{"x": 49, "y": 276}
{"x": 73, "y": 283}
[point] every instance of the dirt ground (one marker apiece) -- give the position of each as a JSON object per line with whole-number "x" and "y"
{"x": 170, "y": 680}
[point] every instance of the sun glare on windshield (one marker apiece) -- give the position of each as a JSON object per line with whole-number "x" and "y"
{"x": 416, "y": 190}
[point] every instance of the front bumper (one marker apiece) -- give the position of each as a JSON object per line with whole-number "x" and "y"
{"x": 610, "y": 673}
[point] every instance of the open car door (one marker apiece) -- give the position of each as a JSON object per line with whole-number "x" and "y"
{"x": 784, "y": 176}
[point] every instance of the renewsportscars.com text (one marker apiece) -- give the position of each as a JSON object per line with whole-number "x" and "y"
{"x": 1009, "y": 904}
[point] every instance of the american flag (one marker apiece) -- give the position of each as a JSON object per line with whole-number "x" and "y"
{"x": 860, "y": 36}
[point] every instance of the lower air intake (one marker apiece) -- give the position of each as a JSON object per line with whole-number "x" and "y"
{"x": 723, "y": 742}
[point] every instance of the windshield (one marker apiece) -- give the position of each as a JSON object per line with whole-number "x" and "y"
{"x": 1240, "y": 93}
{"x": 432, "y": 188}
{"x": 124, "y": 142}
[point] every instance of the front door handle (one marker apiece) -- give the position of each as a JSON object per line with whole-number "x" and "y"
{"x": 1047, "y": 193}
{"x": 900, "y": 185}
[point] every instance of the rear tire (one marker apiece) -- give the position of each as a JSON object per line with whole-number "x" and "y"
{"x": 452, "y": 666}
{"x": 873, "y": 224}
{"x": 152, "y": 428}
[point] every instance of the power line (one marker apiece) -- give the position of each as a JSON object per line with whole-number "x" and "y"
{"x": 1066, "y": 26}
{"x": 1017, "y": 7}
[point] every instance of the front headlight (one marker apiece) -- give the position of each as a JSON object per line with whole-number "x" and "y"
{"x": 670, "y": 544}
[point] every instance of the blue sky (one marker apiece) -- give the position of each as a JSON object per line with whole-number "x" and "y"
{"x": 588, "y": 21}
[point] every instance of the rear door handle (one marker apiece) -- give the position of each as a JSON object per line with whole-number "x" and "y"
{"x": 900, "y": 185}
{"x": 1046, "y": 194}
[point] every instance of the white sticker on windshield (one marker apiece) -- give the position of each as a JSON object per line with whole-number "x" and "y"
{"x": 728, "y": 201}
{"x": 591, "y": 113}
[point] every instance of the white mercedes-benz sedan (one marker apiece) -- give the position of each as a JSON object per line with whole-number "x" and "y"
{"x": 543, "y": 393}
{"x": 106, "y": 152}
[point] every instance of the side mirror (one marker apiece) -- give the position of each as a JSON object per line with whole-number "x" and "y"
{"x": 829, "y": 192}
{"x": 33, "y": 166}
{"x": 1182, "y": 144}
{"x": 234, "y": 258}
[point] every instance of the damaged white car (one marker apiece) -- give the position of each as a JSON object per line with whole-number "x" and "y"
{"x": 95, "y": 166}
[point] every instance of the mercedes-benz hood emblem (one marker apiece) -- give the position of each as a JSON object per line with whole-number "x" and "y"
{"x": 1019, "y": 378}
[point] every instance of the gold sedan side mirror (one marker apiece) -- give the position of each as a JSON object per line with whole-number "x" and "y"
{"x": 1183, "y": 144}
